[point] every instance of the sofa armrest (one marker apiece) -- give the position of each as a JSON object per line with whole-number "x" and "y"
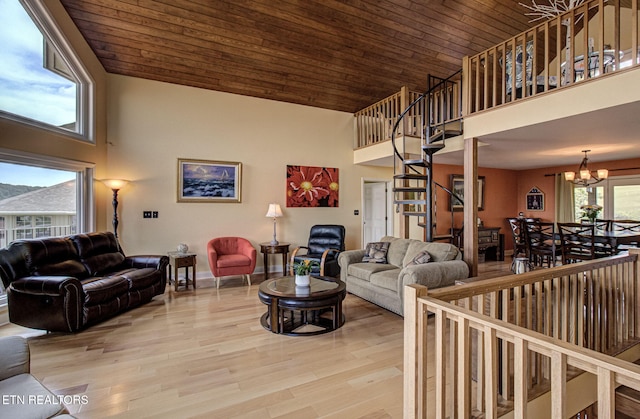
{"x": 45, "y": 285}
{"x": 433, "y": 274}
{"x": 350, "y": 256}
{"x": 53, "y": 303}
{"x": 14, "y": 356}
{"x": 147, "y": 261}
{"x": 346, "y": 258}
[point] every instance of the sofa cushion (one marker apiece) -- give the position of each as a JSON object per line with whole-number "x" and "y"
{"x": 99, "y": 252}
{"x": 139, "y": 278}
{"x": 231, "y": 261}
{"x": 53, "y": 256}
{"x": 386, "y": 279}
{"x": 440, "y": 252}
{"x": 99, "y": 290}
{"x": 376, "y": 252}
{"x": 397, "y": 250}
{"x": 364, "y": 270}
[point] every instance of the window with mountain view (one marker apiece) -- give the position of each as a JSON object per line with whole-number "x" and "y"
{"x": 38, "y": 201}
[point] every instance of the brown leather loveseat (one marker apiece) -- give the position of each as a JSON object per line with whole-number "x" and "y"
{"x": 65, "y": 284}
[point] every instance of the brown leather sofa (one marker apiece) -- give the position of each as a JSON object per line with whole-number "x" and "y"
{"x": 65, "y": 284}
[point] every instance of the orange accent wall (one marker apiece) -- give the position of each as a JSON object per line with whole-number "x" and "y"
{"x": 506, "y": 191}
{"x": 501, "y": 187}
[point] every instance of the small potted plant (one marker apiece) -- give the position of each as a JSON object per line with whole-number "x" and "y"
{"x": 302, "y": 270}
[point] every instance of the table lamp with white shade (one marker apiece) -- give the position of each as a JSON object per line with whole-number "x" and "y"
{"x": 274, "y": 211}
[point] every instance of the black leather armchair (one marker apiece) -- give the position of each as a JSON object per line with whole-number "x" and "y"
{"x": 326, "y": 241}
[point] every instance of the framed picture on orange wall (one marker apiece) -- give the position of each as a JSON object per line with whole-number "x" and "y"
{"x": 456, "y": 185}
{"x": 535, "y": 200}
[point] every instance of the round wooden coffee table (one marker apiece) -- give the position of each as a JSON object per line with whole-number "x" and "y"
{"x": 300, "y": 311}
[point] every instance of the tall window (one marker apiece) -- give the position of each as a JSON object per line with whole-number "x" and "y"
{"x": 43, "y": 197}
{"x": 41, "y": 81}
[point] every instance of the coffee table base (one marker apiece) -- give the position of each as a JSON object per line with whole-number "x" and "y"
{"x": 302, "y": 323}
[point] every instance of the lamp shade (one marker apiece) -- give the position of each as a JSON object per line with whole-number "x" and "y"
{"x": 115, "y": 184}
{"x": 570, "y": 176}
{"x": 603, "y": 173}
{"x": 274, "y": 211}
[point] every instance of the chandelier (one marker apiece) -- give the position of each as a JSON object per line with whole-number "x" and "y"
{"x": 586, "y": 176}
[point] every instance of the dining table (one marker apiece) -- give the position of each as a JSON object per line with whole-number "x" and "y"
{"x": 616, "y": 238}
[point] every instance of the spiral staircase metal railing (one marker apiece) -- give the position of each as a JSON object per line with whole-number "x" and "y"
{"x": 433, "y": 117}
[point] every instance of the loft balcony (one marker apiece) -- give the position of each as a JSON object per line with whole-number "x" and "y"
{"x": 585, "y": 64}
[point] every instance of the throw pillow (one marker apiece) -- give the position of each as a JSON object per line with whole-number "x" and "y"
{"x": 376, "y": 252}
{"x": 420, "y": 258}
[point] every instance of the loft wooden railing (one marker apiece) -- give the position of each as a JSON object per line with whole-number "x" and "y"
{"x": 606, "y": 32}
{"x": 375, "y": 123}
{"x": 520, "y": 343}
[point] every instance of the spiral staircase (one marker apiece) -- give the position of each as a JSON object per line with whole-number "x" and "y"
{"x": 433, "y": 117}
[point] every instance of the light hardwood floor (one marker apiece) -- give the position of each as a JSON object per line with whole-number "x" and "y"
{"x": 204, "y": 354}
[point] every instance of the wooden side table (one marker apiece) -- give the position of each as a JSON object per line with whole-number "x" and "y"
{"x": 182, "y": 260}
{"x": 271, "y": 249}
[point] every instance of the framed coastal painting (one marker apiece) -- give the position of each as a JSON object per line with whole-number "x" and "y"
{"x": 311, "y": 186}
{"x": 209, "y": 181}
{"x": 456, "y": 185}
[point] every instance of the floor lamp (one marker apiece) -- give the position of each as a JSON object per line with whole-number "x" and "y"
{"x": 115, "y": 185}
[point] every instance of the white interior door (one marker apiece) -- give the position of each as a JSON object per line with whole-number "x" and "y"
{"x": 375, "y": 207}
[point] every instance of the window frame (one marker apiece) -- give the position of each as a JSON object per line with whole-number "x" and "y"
{"x": 85, "y": 86}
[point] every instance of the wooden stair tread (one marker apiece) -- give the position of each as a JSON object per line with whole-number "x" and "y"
{"x": 409, "y": 189}
{"x": 409, "y": 201}
{"x": 415, "y": 162}
{"x": 410, "y": 176}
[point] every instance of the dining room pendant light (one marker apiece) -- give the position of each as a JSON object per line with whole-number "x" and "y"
{"x": 585, "y": 176}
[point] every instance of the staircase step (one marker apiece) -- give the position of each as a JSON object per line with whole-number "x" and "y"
{"x": 409, "y": 201}
{"x": 416, "y": 162}
{"x": 410, "y": 176}
{"x": 415, "y": 213}
{"x": 443, "y": 135}
{"x": 418, "y": 189}
{"x": 432, "y": 147}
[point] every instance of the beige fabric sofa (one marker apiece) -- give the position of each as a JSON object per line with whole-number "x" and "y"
{"x": 383, "y": 283}
{"x": 23, "y": 395}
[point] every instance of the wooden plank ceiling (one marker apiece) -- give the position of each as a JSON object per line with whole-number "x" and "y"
{"x": 335, "y": 54}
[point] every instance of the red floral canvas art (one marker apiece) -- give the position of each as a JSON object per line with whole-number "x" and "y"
{"x": 309, "y": 186}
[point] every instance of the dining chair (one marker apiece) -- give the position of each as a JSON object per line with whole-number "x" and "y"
{"x": 602, "y": 225}
{"x": 577, "y": 242}
{"x": 517, "y": 232}
{"x": 630, "y": 226}
{"x": 625, "y": 225}
{"x": 541, "y": 243}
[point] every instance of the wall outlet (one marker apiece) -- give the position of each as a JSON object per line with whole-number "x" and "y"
{"x": 146, "y": 214}
{"x": 154, "y": 214}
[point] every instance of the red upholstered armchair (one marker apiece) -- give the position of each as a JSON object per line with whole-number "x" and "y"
{"x": 231, "y": 256}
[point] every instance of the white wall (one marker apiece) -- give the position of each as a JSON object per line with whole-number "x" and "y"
{"x": 152, "y": 124}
